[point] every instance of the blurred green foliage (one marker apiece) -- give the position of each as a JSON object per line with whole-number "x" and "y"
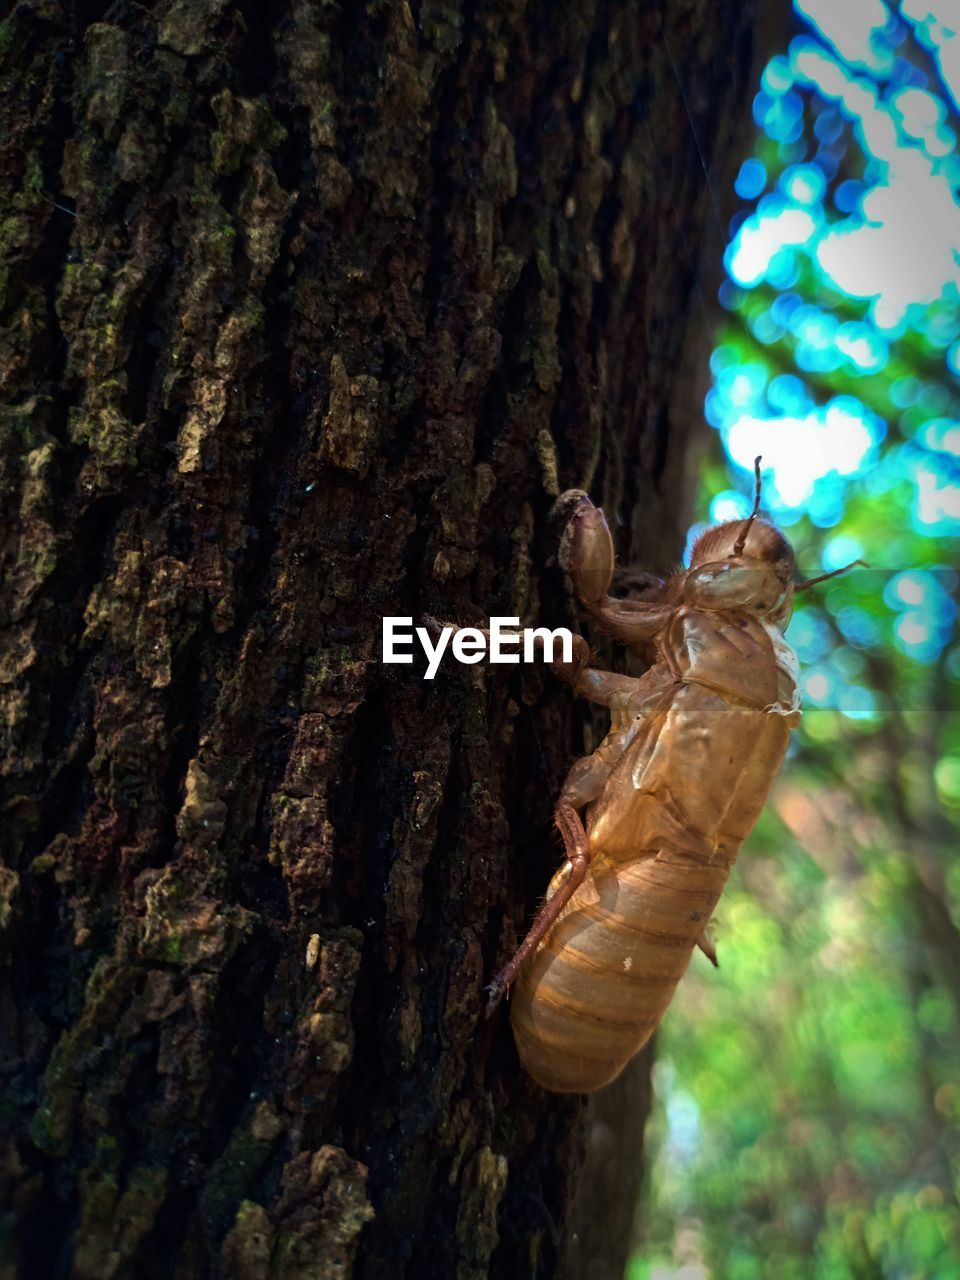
{"x": 807, "y": 1118}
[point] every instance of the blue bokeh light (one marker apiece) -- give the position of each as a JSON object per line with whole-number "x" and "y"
{"x": 841, "y": 551}
{"x": 751, "y": 179}
{"x": 844, "y": 276}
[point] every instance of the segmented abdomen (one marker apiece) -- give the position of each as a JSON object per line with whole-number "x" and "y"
{"x": 663, "y": 841}
{"x": 597, "y": 987}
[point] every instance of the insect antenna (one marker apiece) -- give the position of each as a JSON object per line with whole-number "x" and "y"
{"x": 835, "y": 573}
{"x": 742, "y": 536}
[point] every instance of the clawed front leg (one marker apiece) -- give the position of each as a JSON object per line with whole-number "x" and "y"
{"x": 586, "y": 553}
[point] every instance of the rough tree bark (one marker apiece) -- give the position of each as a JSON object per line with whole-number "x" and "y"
{"x": 310, "y": 310}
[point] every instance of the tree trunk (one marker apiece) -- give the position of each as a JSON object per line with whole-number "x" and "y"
{"x": 311, "y": 310}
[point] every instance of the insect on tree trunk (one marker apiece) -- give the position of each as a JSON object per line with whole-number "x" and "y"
{"x": 310, "y": 310}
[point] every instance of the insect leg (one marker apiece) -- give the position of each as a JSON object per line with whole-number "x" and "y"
{"x": 577, "y": 850}
{"x": 586, "y": 553}
{"x": 629, "y": 706}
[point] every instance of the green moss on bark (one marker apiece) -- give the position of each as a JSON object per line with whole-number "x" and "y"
{"x": 306, "y": 316}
